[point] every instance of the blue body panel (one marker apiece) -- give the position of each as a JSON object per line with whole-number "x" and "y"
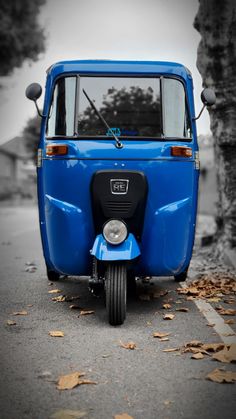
{"x": 104, "y": 251}
{"x": 66, "y": 221}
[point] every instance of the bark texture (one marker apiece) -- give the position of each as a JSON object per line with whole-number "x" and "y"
{"x": 216, "y": 61}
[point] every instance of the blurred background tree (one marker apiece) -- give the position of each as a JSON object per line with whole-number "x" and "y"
{"x": 133, "y": 112}
{"x": 20, "y": 34}
{"x": 216, "y": 22}
{"x": 31, "y": 134}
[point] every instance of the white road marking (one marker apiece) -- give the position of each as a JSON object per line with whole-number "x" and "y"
{"x": 225, "y": 332}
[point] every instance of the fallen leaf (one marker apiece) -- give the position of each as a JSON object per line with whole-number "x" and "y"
{"x": 227, "y": 355}
{"x": 163, "y": 339}
{"x": 226, "y": 312}
{"x": 213, "y": 299}
{"x": 86, "y": 312}
{"x": 213, "y": 347}
{"x": 221, "y": 376}
{"x": 11, "y": 323}
{"x": 123, "y": 416}
{"x": 194, "y": 343}
{"x": 59, "y": 298}
{"x": 55, "y": 291}
{"x": 149, "y": 324}
{"x": 30, "y": 305}
{"x": 56, "y": 334}
{"x": 198, "y": 355}
{"x": 178, "y": 302}
{"x": 168, "y": 316}
{"x": 166, "y": 306}
{"x": 20, "y": 313}
{"x": 229, "y": 321}
{"x": 160, "y": 334}
{"x": 170, "y": 350}
{"x": 74, "y": 307}
{"x": 210, "y": 324}
{"x": 128, "y": 345}
{"x": 183, "y": 309}
{"x": 68, "y": 414}
{"x": 71, "y": 298}
{"x": 167, "y": 402}
{"x": 69, "y": 381}
{"x": 31, "y": 269}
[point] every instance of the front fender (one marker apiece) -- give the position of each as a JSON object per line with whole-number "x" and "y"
{"x": 104, "y": 251}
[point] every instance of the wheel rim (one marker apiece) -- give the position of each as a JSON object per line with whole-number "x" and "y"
{"x": 116, "y": 294}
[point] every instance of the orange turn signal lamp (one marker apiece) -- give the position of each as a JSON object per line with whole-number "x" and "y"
{"x": 56, "y": 149}
{"x": 181, "y": 151}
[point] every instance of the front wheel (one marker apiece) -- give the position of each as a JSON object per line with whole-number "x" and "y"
{"x": 116, "y": 295}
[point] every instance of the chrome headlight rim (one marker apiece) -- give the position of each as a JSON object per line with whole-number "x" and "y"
{"x": 124, "y": 234}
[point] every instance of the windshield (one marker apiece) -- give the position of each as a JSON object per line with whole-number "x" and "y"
{"x": 144, "y": 107}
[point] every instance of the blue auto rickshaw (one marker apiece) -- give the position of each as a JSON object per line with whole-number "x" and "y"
{"x": 118, "y": 170}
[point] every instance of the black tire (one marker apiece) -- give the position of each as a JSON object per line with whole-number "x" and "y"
{"x": 52, "y": 275}
{"x": 116, "y": 293}
{"x": 182, "y": 277}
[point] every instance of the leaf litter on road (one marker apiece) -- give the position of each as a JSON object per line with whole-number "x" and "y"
{"x": 11, "y": 323}
{"x": 221, "y": 376}
{"x": 59, "y": 298}
{"x": 123, "y": 416}
{"x": 128, "y": 345}
{"x": 160, "y": 335}
{"x": 56, "y": 333}
{"x": 20, "y": 313}
{"x": 168, "y": 316}
{"x": 69, "y": 414}
{"x": 54, "y": 291}
{"x": 86, "y": 312}
{"x": 70, "y": 381}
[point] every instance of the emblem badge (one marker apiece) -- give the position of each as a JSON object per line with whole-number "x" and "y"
{"x": 119, "y": 186}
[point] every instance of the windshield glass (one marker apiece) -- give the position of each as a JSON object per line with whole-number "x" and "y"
{"x": 150, "y": 107}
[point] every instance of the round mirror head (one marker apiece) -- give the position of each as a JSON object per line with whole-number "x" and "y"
{"x": 208, "y": 97}
{"x": 33, "y": 91}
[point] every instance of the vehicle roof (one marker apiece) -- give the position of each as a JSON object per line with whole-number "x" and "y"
{"x": 118, "y": 67}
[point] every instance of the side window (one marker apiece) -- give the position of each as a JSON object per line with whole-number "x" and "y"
{"x": 62, "y": 111}
{"x": 175, "y": 112}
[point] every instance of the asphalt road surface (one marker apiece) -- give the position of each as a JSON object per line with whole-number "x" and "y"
{"x": 143, "y": 383}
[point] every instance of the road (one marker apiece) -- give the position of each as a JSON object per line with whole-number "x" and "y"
{"x": 144, "y": 383}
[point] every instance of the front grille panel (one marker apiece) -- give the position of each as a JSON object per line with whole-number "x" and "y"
{"x": 128, "y": 205}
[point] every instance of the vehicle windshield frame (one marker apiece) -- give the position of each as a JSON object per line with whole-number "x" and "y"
{"x": 162, "y": 137}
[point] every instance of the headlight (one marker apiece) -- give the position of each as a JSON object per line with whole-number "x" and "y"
{"x": 115, "y": 231}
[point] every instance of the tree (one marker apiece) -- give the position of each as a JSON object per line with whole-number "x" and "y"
{"x": 132, "y": 111}
{"x": 20, "y": 34}
{"x": 31, "y": 134}
{"x": 216, "y": 22}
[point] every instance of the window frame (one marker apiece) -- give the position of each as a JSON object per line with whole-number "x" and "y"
{"x": 78, "y": 76}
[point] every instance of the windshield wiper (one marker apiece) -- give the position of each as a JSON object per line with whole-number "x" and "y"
{"x": 118, "y": 142}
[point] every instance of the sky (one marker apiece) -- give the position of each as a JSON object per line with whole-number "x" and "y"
{"x": 160, "y": 30}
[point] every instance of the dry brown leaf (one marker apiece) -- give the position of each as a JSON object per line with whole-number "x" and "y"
{"x": 193, "y": 343}
{"x": 20, "y": 313}
{"x": 183, "y": 309}
{"x": 210, "y": 324}
{"x": 170, "y": 350}
{"x": 75, "y": 307}
{"x": 221, "y": 376}
{"x": 166, "y": 306}
{"x": 198, "y": 355}
{"x": 128, "y": 345}
{"x": 30, "y": 305}
{"x": 226, "y": 312}
{"x": 86, "y": 312}
{"x": 69, "y": 381}
{"x": 56, "y": 333}
{"x": 55, "y": 291}
{"x": 168, "y": 316}
{"x": 213, "y": 347}
{"x": 229, "y": 321}
{"x": 11, "y": 323}
{"x": 70, "y": 298}
{"x": 59, "y": 298}
{"x": 160, "y": 334}
{"x": 69, "y": 414}
{"x": 213, "y": 299}
{"x": 123, "y": 416}
{"x": 227, "y": 355}
{"x": 163, "y": 339}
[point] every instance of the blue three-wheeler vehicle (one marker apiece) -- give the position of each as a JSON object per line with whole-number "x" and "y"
{"x": 118, "y": 170}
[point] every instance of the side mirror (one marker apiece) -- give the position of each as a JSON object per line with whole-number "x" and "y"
{"x": 208, "y": 97}
{"x": 33, "y": 92}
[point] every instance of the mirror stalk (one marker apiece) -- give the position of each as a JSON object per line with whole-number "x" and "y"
{"x": 197, "y": 117}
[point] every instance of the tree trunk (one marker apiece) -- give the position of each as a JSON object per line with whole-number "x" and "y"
{"x": 216, "y": 61}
